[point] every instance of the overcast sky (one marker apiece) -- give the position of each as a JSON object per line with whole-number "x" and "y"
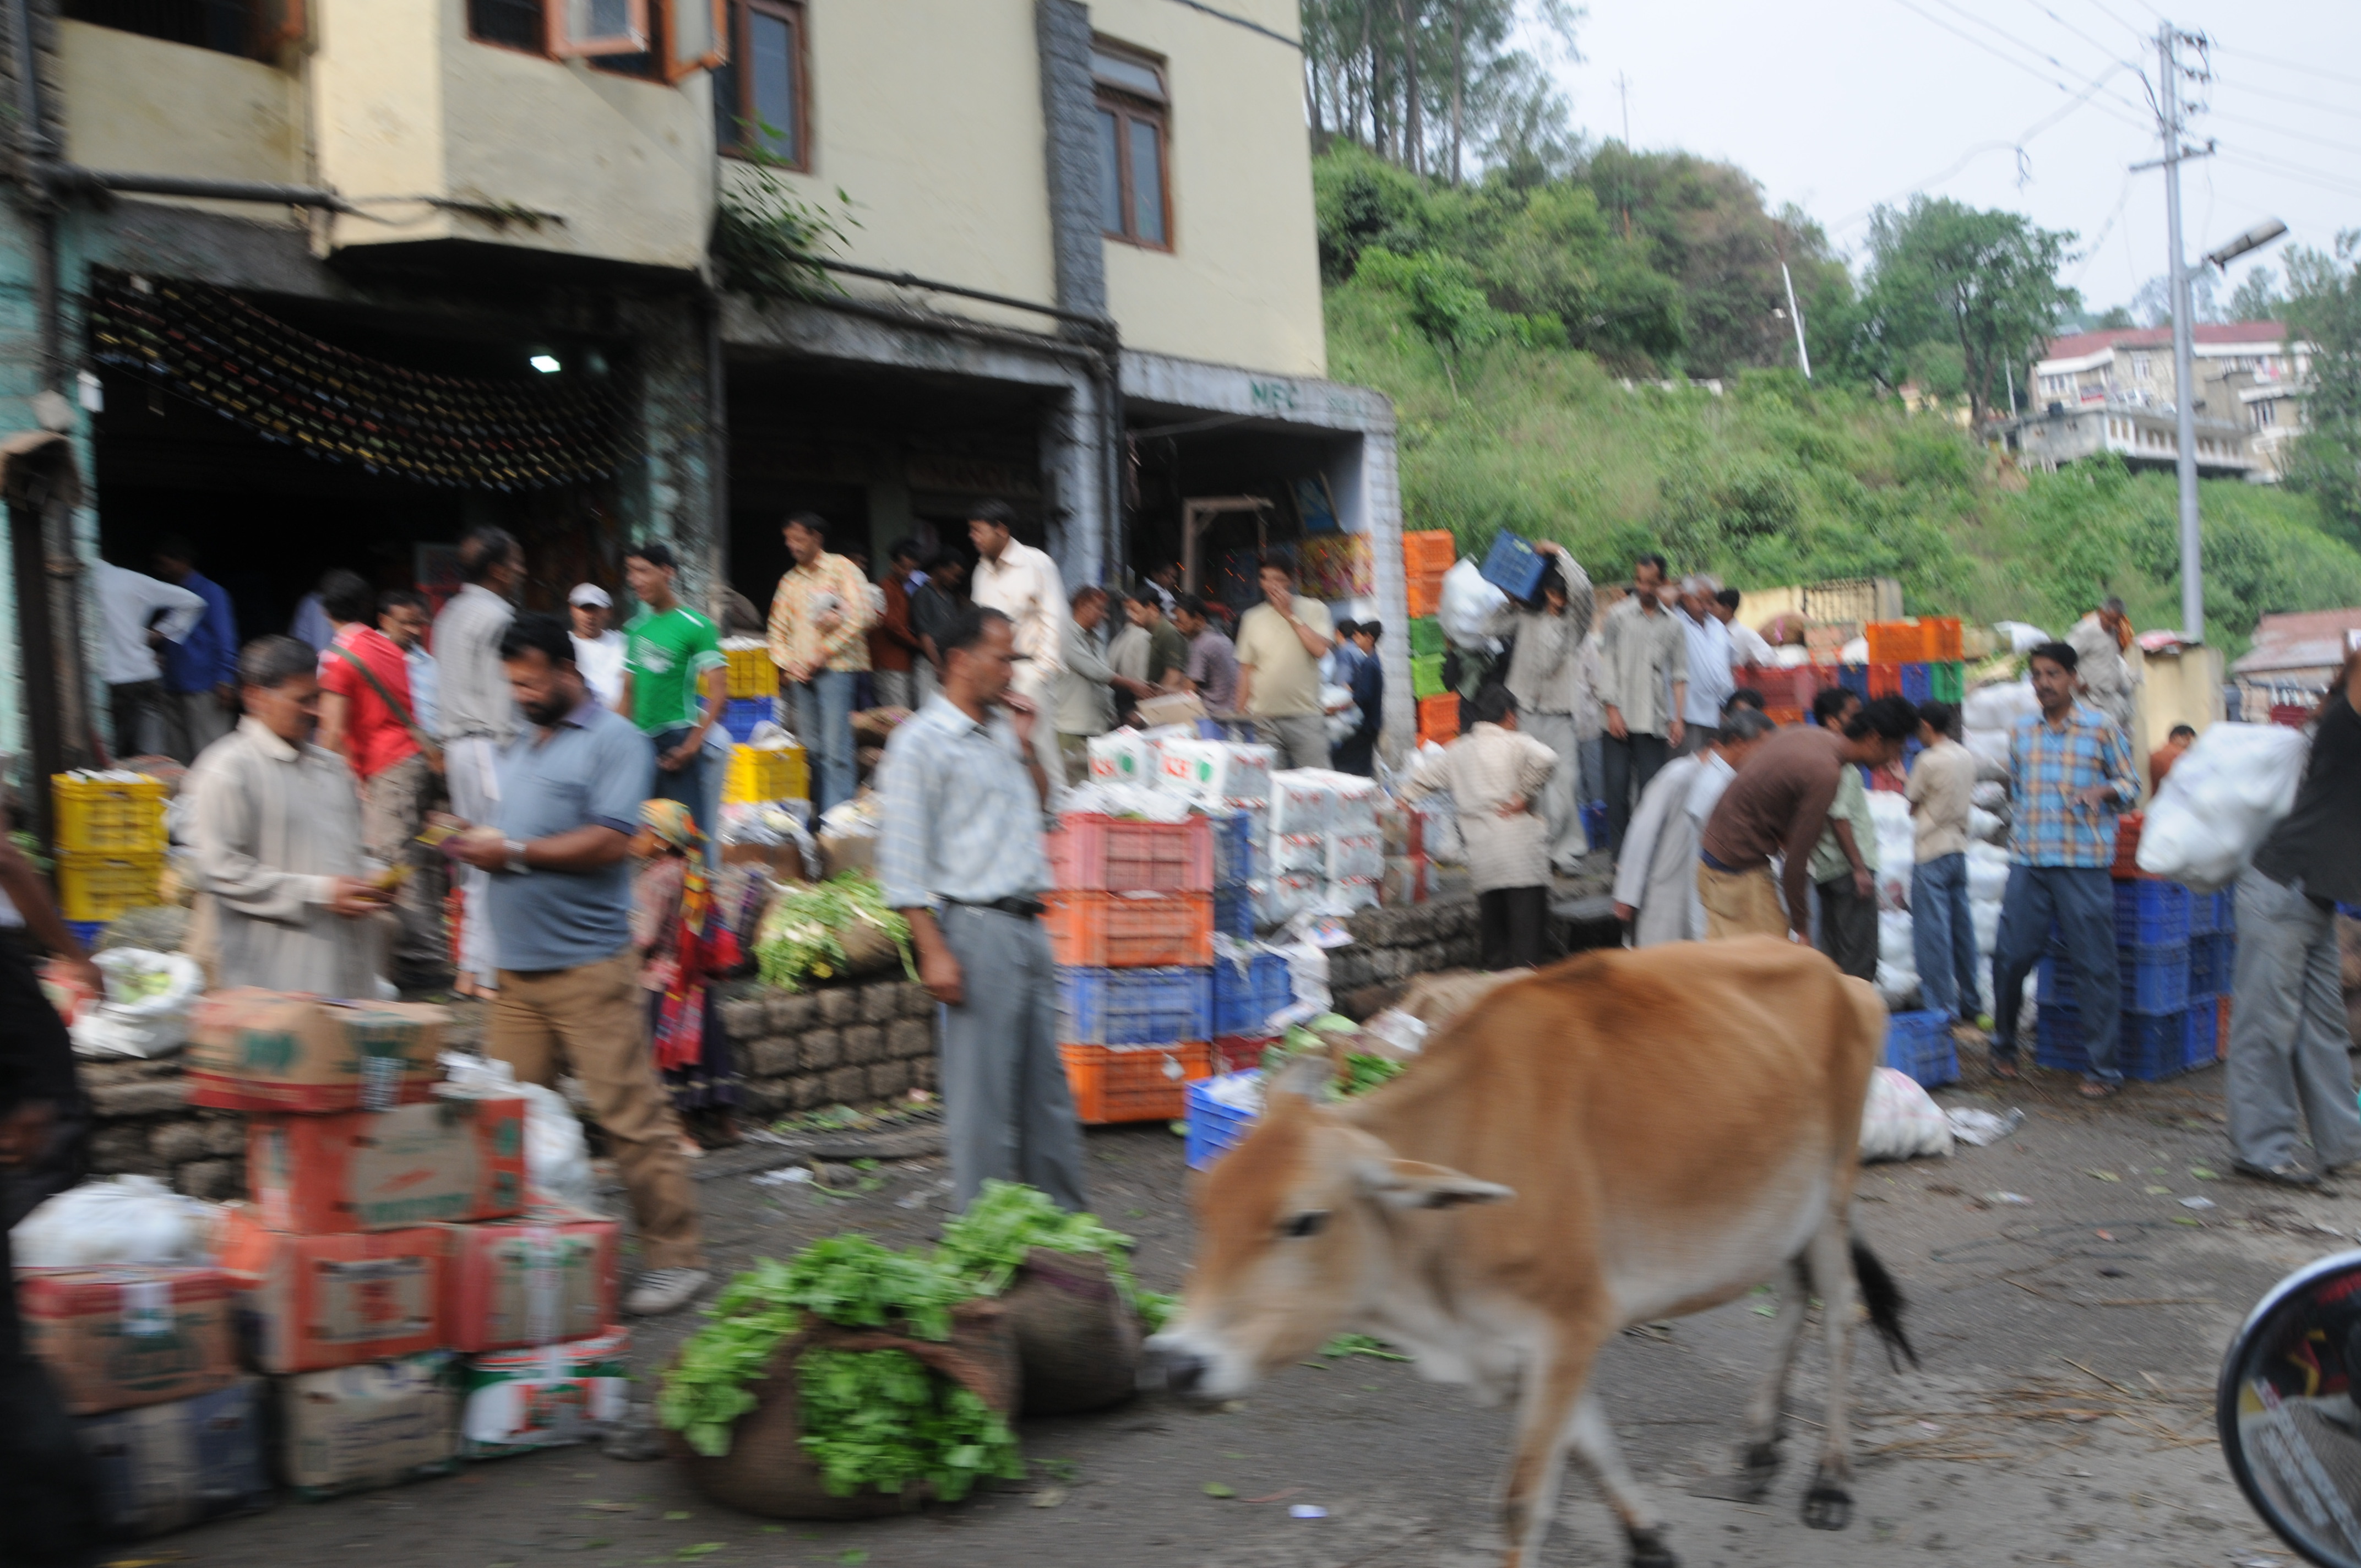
{"x": 1839, "y": 104}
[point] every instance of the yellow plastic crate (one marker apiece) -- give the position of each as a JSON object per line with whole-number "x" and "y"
{"x": 108, "y": 816}
{"x": 100, "y": 887}
{"x": 752, "y": 674}
{"x": 766, "y": 772}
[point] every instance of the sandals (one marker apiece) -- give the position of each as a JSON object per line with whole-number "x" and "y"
{"x": 2091, "y": 1089}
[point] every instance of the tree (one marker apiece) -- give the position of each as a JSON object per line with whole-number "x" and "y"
{"x": 2323, "y": 310}
{"x": 1983, "y": 283}
{"x": 2153, "y": 303}
{"x": 2258, "y": 298}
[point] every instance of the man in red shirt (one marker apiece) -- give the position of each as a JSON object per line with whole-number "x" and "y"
{"x": 891, "y": 642}
{"x": 366, "y": 718}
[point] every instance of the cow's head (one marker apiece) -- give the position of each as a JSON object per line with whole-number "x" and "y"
{"x": 1295, "y": 1228}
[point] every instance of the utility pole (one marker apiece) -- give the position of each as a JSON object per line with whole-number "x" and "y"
{"x": 1803, "y": 355}
{"x": 2184, "y": 383}
{"x": 1623, "y": 93}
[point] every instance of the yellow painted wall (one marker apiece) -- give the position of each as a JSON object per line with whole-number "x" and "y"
{"x": 1241, "y": 285}
{"x": 407, "y": 104}
{"x": 2181, "y": 687}
{"x": 928, "y": 114}
{"x": 143, "y": 105}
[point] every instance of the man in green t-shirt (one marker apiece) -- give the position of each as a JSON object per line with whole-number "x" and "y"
{"x": 675, "y": 676}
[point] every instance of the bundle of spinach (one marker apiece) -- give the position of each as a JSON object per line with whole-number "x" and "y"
{"x": 849, "y": 1281}
{"x": 880, "y": 1418}
{"x": 987, "y": 1245}
{"x": 802, "y": 934}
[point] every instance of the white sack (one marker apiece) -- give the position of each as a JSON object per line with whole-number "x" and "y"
{"x": 557, "y": 1154}
{"x": 2219, "y": 803}
{"x": 150, "y": 1026}
{"x": 130, "y": 1220}
{"x": 2023, "y": 636}
{"x": 1469, "y": 605}
{"x": 1901, "y": 1120}
{"x": 1999, "y": 705}
{"x": 1989, "y": 749}
{"x": 1986, "y": 828}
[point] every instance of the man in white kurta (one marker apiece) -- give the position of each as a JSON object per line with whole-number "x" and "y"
{"x": 283, "y": 899}
{"x": 1495, "y": 776}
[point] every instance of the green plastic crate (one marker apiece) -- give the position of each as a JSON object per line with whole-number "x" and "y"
{"x": 1950, "y": 681}
{"x": 1426, "y": 677}
{"x": 1425, "y": 637}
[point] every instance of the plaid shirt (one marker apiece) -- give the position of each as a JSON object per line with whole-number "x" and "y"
{"x": 795, "y": 634}
{"x": 2048, "y": 768}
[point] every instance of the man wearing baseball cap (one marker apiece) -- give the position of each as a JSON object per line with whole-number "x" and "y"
{"x": 598, "y": 647}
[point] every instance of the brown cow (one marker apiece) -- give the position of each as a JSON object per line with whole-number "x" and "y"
{"x": 1621, "y": 1138}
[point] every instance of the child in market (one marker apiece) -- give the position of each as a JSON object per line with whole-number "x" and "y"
{"x": 683, "y": 945}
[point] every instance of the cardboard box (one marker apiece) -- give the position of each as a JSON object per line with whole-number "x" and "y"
{"x": 546, "y": 1276}
{"x": 118, "y": 1337}
{"x": 312, "y": 1302}
{"x": 453, "y": 1158}
{"x": 251, "y": 1049}
{"x": 1122, "y": 757}
{"x": 784, "y": 862}
{"x": 356, "y": 1428}
{"x": 856, "y": 852}
{"x": 518, "y": 1400}
{"x": 1214, "y": 770}
{"x": 165, "y": 1467}
{"x": 1405, "y": 881}
{"x": 1172, "y": 707}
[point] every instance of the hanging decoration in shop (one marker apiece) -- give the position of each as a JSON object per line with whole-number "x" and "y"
{"x": 286, "y": 386}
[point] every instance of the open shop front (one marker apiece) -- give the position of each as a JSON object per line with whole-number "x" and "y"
{"x": 284, "y": 437}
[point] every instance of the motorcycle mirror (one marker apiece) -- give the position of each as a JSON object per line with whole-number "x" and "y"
{"x": 2286, "y": 1414}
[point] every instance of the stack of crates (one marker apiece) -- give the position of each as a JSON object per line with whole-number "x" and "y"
{"x": 759, "y": 773}
{"x": 1131, "y": 928}
{"x": 2165, "y": 1030}
{"x": 741, "y": 714}
{"x": 1427, "y": 650}
{"x": 1438, "y": 719}
{"x": 1918, "y": 659}
{"x": 110, "y": 843}
{"x": 1427, "y": 554}
{"x": 2212, "y": 956}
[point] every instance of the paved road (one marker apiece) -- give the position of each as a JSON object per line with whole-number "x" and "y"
{"x": 2062, "y": 1417}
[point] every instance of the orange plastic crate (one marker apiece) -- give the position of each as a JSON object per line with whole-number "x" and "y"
{"x": 1134, "y": 1083}
{"x": 1782, "y": 717}
{"x": 1438, "y": 718}
{"x": 1112, "y": 854}
{"x": 1944, "y": 638}
{"x": 1139, "y": 930}
{"x": 2221, "y": 1029}
{"x": 1884, "y": 680}
{"x": 1429, "y": 552}
{"x": 1424, "y": 594}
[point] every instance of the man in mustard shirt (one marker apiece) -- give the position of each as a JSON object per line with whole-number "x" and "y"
{"x": 1280, "y": 644}
{"x": 820, "y": 618}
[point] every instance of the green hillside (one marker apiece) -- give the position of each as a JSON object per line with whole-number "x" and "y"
{"x": 1776, "y": 481}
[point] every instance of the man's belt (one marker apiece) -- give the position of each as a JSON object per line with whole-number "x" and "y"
{"x": 1021, "y": 907}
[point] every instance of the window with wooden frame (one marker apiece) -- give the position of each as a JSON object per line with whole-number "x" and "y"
{"x": 761, "y": 100}
{"x": 663, "y": 41}
{"x": 257, "y": 30}
{"x": 1135, "y": 185}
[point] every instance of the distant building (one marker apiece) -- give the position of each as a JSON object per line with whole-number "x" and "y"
{"x": 2293, "y": 659}
{"x": 2249, "y": 379}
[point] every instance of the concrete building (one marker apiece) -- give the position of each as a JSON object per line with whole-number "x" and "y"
{"x": 2294, "y": 658}
{"x": 2250, "y": 382}
{"x": 326, "y": 284}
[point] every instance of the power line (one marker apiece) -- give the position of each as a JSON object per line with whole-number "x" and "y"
{"x": 2293, "y": 65}
{"x": 2122, "y": 198}
{"x": 2347, "y": 110}
{"x": 2262, "y": 165}
{"x": 2033, "y": 72}
{"x": 2071, "y": 28}
{"x": 2118, "y": 21}
{"x": 2303, "y": 137}
{"x": 1959, "y": 10}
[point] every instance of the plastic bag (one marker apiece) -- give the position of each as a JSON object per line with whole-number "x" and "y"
{"x": 1901, "y": 1120}
{"x": 156, "y": 1021}
{"x": 132, "y": 1219}
{"x": 2023, "y": 636}
{"x": 1469, "y": 604}
{"x": 2219, "y": 801}
{"x": 1999, "y": 706}
{"x": 557, "y": 1154}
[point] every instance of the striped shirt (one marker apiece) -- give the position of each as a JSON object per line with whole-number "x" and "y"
{"x": 960, "y": 820}
{"x": 2047, "y": 767}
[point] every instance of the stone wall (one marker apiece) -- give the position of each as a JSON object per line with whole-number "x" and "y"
{"x": 846, "y": 1045}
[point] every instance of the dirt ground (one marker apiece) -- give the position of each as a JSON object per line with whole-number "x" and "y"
{"x": 2062, "y": 1415}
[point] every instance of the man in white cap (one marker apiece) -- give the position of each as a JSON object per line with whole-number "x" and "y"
{"x": 598, "y": 647}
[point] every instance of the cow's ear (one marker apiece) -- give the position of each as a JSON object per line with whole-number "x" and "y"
{"x": 1414, "y": 1184}
{"x": 1305, "y": 1076}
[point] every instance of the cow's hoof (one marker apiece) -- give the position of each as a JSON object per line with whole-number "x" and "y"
{"x": 1649, "y": 1550}
{"x": 1761, "y": 1468}
{"x": 1828, "y": 1506}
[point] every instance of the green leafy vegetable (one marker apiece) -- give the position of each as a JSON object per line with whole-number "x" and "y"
{"x": 1361, "y": 1345}
{"x": 1156, "y": 1309}
{"x": 881, "y": 1419}
{"x": 803, "y": 934}
{"x": 1364, "y": 1073}
{"x": 987, "y": 1245}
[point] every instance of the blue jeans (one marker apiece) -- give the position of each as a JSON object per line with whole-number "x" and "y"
{"x": 1944, "y": 937}
{"x": 823, "y": 715}
{"x": 2081, "y": 901}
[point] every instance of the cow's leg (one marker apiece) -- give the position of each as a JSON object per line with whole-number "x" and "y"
{"x": 1595, "y": 1445}
{"x": 1829, "y": 1504}
{"x": 1766, "y": 1410}
{"x": 1553, "y": 1385}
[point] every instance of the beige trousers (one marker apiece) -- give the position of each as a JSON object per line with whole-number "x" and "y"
{"x": 1740, "y": 904}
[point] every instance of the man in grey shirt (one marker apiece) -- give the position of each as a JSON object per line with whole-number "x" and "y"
{"x": 1546, "y": 676}
{"x": 960, "y": 855}
{"x": 1641, "y": 651}
{"x": 478, "y": 714}
{"x": 558, "y": 853}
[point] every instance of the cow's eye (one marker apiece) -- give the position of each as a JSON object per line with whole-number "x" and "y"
{"x": 1309, "y": 1222}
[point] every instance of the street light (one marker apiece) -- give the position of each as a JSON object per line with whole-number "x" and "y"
{"x": 2255, "y": 239}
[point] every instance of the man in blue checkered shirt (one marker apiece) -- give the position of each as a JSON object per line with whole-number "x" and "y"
{"x": 2070, "y": 771}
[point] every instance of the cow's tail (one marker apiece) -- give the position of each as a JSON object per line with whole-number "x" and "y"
{"x": 1882, "y": 1298}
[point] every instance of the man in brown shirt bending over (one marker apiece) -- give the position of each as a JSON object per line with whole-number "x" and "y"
{"x": 1778, "y": 804}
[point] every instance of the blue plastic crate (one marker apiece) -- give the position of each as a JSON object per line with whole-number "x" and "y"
{"x": 2202, "y": 1035}
{"x": 2225, "y": 910}
{"x": 1134, "y": 1006}
{"x": 2151, "y": 1046}
{"x": 1233, "y": 848}
{"x": 1234, "y": 911}
{"x": 1854, "y": 678}
{"x": 2211, "y": 959}
{"x": 2057, "y": 1039}
{"x": 2152, "y": 979}
{"x": 741, "y": 714}
{"x": 1246, "y": 994}
{"x": 2204, "y": 914}
{"x": 2151, "y": 914}
{"x": 1919, "y": 1044}
{"x": 87, "y": 932}
{"x": 1918, "y": 683}
{"x": 1513, "y": 566}
{"x": 1213, "y": 1127}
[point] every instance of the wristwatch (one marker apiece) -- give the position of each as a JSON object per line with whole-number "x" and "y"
{"x": 517, "y": 864}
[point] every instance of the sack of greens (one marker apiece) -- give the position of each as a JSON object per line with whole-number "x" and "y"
{"x": 1065, "y": 1283}
{"x": 849, "y": 1382}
